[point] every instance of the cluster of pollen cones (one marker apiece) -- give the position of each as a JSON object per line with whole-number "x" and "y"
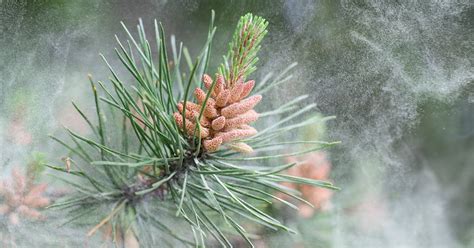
{"x": 226, "y": 115}
{"x": 315, "y": 166}
{"x": 22, "y": 198}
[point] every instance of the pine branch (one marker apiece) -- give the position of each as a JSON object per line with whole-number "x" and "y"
{"x": 178, "y": 161}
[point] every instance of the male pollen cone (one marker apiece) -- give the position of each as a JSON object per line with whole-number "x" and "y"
{"x": 226, "y": 115}
{"x": 21, "y": 198}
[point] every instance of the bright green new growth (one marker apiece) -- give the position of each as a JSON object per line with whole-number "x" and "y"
{"x": 140, "y": 172}
{"x": 242, "y": 56}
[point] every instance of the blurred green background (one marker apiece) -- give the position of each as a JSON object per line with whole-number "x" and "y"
{"x": 397, "y": 74}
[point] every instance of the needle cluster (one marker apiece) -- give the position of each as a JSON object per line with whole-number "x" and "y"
{"x": 161, "y": 157}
